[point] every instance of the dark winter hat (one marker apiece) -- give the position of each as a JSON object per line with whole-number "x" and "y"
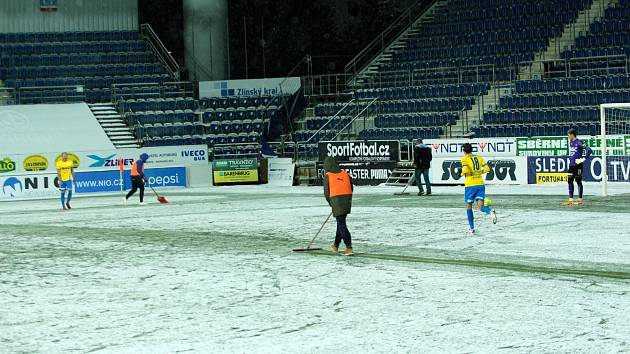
{"x": 144, "y": 156}
{"x": 331, "y": 165}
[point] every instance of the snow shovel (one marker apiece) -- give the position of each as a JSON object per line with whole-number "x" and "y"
{"x": 160, "y": 198}
{"x": 308, "y": 248}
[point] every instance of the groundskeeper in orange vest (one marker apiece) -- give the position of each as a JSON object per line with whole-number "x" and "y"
{"x": 338, "y": 191}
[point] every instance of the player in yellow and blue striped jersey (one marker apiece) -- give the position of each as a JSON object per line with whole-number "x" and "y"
{"x": 473, "y": 168}
{"x": 65, "y": 174}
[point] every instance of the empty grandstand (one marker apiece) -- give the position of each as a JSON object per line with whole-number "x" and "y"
{"x": 492, "y": 69}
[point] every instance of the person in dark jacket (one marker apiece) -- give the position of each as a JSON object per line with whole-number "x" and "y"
{"x": 422, "y": 161}
{"x": 338, "y": 191}
{"x": 137, "y": 178}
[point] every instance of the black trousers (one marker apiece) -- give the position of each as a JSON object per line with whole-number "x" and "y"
{"x": 575, "y": 174}
{"x": 342, "y": 231}
{"x": 136, "y": 183}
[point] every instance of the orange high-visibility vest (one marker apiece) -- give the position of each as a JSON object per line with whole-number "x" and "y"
{"x": 339, "y": 183}
{"x": 134, "y": 169}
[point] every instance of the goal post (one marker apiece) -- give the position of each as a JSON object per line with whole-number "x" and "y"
{"x": 614, "y": 120}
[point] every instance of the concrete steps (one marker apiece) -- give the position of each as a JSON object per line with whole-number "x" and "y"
{"x": 6, "y": 97}
{"x": 114, "y": 125}
{"x": 387, "y": 54}
{"x": 471, "y": 118}
{"x": 566, "y": 39}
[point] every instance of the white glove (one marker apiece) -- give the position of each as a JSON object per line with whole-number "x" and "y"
{"x": 580, "y": 161}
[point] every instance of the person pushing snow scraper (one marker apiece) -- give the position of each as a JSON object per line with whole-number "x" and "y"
{"x": 137, "y": 177}
{"x": 338, "y": 191}
{"x": 65, "y": 173}
{"x": 473, "y": 168}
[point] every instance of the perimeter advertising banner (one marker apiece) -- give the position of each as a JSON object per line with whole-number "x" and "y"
{"x": 485, "y": 147}
{"x": 552, "y": 169}
{"x": 253, "y": 87}
{"x": 503, "y": 170}
{"x": 30, "y": 186}
{"x": 616, "y": 145}
{"x": 235, "y": 171}
{"x": 360, "y": 150}
{"x": 544, "y": 146}
{"x": 187, "y": 155}
{"x": 363, "y": 173}
{"x": 7, "y": 165}
{"x": 46, "y": 185}
{"x": 109, "y": 181}
{"x": 281, "y": 172}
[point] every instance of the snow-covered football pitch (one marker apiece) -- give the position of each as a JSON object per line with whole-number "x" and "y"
{"x": 213, "y": 272}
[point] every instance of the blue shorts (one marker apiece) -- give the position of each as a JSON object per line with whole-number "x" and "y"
{"x": 65, "y": 185}
{"x": 473, "y": 193}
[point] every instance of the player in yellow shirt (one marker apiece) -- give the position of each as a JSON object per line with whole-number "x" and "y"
{"x": 473, "y": 168}
{"x": 65, "y": 173}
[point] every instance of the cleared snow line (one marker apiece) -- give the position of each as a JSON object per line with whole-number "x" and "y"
{"x": 517, "y": 267}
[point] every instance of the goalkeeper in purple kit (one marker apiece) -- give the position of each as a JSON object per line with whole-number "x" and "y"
{"x": 578, "y": 153}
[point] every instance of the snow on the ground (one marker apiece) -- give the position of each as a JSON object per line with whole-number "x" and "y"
{"x": 212, "y": 271}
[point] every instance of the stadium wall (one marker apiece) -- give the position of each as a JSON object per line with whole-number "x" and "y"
{"x": 206, "y": 39}
{"x": 42, "y": 128}
{"x": 19, "y": 16}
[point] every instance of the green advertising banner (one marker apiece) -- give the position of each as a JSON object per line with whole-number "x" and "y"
{"x": 235, "y": 171}
{"x": 616, "y": 145}
{"x": 543, "y": 146}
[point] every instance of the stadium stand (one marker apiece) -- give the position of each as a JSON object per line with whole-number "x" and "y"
{"x": 120, "y": 67}
{"x": 568, "y": 95}
{"x": 427, "y": 84}
{"x": 230, "y": 125}
{"x": 51, "y": 63}
{"x": 430, "y": 81}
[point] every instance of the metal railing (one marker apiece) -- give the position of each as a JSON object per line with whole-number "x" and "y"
{"x": 387, "y": 37}
{"x": 235, "y": 155}
{"x": 405, "y": 153}
{"x": 351, "y": 122}
{"x": 281, "y": 148}
{"x": 284, "y": 88}
{"x": 50, "y": 94}
{"x": 195, "y": 68}
{"x": 163, "y": 54}
{"x": 580, "y": 66}
{"x": 152, "y": 90}
{"x": 463, "y": 117}
{"x": 357, "y": 115}
{"x": 437, "y": 76}
{"x": 326, "y": 85}
{"x": 7, "y": 96}
{"x": 330, "y": 120}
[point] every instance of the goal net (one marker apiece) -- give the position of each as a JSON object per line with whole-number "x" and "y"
{"x": 614, "y": 147}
